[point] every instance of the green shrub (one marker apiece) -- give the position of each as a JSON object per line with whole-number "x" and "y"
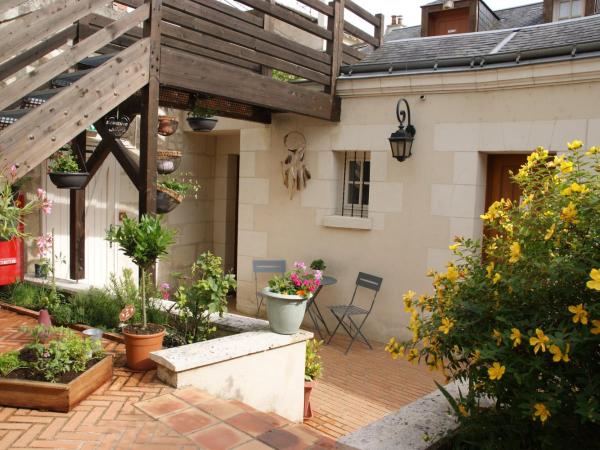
{"x": 521, "y": 325}
{"x": 9, "y": 361}
{"x": 97, "y": 308}
{"x": 313, "y": 367}
{"x": 28, "y": 296}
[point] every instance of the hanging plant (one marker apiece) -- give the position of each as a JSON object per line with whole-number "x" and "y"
{"x": 171, "y": 191}
{"x": 202, "y": 119}
{"x": 64, "y": 170}
{"x": 167, "y": 125}
{"x": 167, "y": 161}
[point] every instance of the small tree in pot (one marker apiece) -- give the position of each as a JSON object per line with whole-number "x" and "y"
{"x": 144, "y": 241}
{"x": 313, "y": 369}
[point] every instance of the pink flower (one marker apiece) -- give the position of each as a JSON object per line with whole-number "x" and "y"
{"x": 41, "y": 194}
{"x": 318, "y": 275}
{"x": 44, "y": 244}
{"x": 13, "y": 171}
{"x": 299, "y": 265}
{"x": 164, "y": 289}
{"x": 47, "y": 206}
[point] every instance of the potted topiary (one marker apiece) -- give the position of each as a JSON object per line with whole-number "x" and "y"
{"x": 144, "y": 241}
{"x": 64, "y": 170}
{"x": 313, "y": 369}
{"x": 318, "y": 264}
{"x": 201, "y": 119}
{"x": 167, "y": 125}
{"x": 171, "y": 191}
{"x": 287, "y": 297}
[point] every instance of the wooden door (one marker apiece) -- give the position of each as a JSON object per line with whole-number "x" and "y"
{"x": 499, "y": 181}
{"x": 449, "y": 22}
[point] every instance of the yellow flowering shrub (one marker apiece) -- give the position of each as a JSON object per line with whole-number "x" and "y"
{"x": 517, "y": 316}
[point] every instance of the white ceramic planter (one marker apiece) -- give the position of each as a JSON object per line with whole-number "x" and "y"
{"x": 285, "y": 312}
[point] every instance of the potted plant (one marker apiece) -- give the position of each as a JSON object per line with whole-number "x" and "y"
{"x": 167, "y": 161}
{"x": 318, "y": 264}
{"x": 144, "y": 241}
{"x": 287, "y": 296}
{"x": 313, "y": 369}
{"x": 201, "y": 119}
{"x": 171, "y": 191}
{"x": 204, "y": 294}
{"x": 167, "y": 125}
{"x": 64, "y": 170}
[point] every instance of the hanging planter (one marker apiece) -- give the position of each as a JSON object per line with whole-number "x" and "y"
{"x": 167, "y": 161}
{"x": 167, "y": 125}
{"x": 65, "y": 172}
{"x": 201, "y": 119}
{"x": 167, "y": 199}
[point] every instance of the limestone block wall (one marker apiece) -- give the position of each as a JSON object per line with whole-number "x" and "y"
{"x": 416, "y": 207}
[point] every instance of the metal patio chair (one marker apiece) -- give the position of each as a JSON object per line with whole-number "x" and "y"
{"x": 272, "y": 266}
{"x": 344, "y": 313}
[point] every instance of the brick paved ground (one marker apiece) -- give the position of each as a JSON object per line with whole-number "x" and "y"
{"x": 136, "y": 411}
{"x": 363, "y": 386}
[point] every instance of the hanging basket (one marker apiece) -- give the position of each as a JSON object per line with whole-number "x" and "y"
{"x": 167, "y": 200}
{"x": 66, "y": 180}
{"x": 167, "y": 125}
{"x": 167, "y": 161}
{"x": 202, "y": 123}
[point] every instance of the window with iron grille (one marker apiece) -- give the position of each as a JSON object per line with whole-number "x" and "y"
{"x": 355, "y": 188}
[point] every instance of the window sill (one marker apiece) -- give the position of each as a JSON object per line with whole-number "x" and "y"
{"x": 355, "y": 223}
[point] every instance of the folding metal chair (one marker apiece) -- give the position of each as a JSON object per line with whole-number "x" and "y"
{"x": 273, "y": 266}
{"x": 344, "y": 313}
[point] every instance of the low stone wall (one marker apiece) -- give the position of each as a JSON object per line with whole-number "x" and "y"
{"x": 256, "y": 366}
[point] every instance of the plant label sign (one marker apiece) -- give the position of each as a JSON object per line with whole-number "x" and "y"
{"x": 117, "y": 125}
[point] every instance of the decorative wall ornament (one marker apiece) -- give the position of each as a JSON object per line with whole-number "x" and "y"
{"x": 294, "y": 170}
{"x": 117, "y": 124}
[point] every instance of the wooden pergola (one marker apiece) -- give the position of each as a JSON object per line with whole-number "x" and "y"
{"x": 160, "y": 52}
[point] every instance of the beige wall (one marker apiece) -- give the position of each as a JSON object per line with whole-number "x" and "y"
{"x": 416, "y": 206}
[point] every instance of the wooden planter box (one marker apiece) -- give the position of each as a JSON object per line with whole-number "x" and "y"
{"x": 57, "y": 397}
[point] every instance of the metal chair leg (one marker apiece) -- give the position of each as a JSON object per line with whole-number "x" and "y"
{"x": 337, "y": 326}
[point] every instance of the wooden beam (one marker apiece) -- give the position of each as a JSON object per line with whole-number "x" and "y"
{"x": 98, "y": 157}
{"x": 380, "y": 29}
{"x": 351, "y": 51}
{"x": 149, "y": 116}
{"x": 234, "y": 12}
{"x": 362, "y": 12}
{"x": 335, "y": 47}
{"x": 119, "y": 152}
{"x": 67, "y": 59}
{"x": 77, "y": 223}
{"x": 318, "y": 5}
{"x": 34, "y": 137}
{"x": 39, "y": 25}
{"x": 17, "y": 63}
{"x": 197, "y": 74}
{"x": 287, "y": 16}
{"x": 7, "y": 5}
{"x": 357, "y": 32}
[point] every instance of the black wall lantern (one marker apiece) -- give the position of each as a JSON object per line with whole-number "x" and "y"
{"x": 402, "y": 140}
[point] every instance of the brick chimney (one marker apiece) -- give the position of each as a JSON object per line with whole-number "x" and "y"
{"x": 397, "y": 21}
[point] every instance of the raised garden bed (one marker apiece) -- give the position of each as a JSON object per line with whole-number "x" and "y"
{"x": 59, "y": 397}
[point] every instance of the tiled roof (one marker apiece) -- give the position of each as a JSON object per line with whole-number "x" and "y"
{"x": 519, "y": 16}
{"x": 530, "y": 41}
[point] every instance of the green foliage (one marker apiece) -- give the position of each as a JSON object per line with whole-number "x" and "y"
{"x": 27, "y": 295}
{"x": 182, "y": 184}
{"x": 66, "y": 351}
{"x": 318, "y": 264}
{"x": 204, "y": 294}
{"x": 201, "y": 112}
{"x": 313, "y": 367}
{"x": 521, "y": 324}
{"x": 63, "y": 161}
{"x": 11, "y": 214}
{"x": 284, "y": 76}
{"x": 144, "y": 241}
{"x": 299, "y": 281}
{"x": 97, "y": 308}
{"x": 9, "y": 361}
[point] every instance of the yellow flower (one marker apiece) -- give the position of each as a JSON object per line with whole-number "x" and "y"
{"x": 515, "y": 336}
{"x": 594, "y": 283}
{"x": 452, "y": 274}
{"x": 490, "y": 269}
{"x": 515, "y": 252}
{"x": 539, "y": 342}
{"x": 550, "y": 232}
{"x": 497, "y": 278}
{"x": 496, "y": 371}
{"x": 558, "y": 354}
{"x": 412, "y": 354}
{"x": 579, "y": 314}
{"x": 566, "y": 166}
{"x": 408, "y": 298}
{"x": 447, "y": 324}
{"x": 541, "y": 411}
{"x": 475, "y": 355}
{"x": 575, "y": 145}
{"x": 498, "y": 336}
{"x": 454, "y": 247}
{"x": 575, "y": 187}
{"x": 463, "y": 410}
{"x": 569, "y": 213}
{"x": 593, "y": 151}
{"x": 595, "y": 327}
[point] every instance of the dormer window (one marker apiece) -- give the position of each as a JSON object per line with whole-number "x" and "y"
{"x": 568, "y": 9}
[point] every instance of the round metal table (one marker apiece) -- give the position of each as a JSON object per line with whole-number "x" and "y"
{"x": 313, "y": 308}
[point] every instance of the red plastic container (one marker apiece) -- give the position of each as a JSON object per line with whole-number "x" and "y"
{"x": 11, "y": 261}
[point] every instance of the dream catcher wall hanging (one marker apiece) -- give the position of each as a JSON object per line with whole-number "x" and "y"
{"x": 294, "y": 170}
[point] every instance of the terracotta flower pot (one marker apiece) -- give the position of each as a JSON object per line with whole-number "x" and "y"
{"x": 167, "y": 125}
{"x": 308, "y": 387}
{"x": 139, "y": 346}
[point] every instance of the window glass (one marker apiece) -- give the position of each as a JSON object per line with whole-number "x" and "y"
{"x": 354, "y": 198}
